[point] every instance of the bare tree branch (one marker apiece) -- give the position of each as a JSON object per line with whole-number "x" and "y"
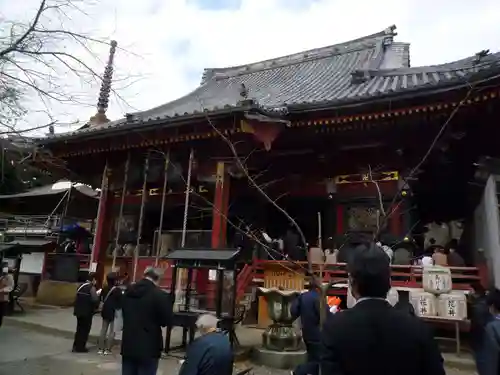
{"x": 37, "y": 56}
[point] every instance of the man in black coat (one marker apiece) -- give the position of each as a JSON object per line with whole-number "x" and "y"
{"x": 86, "y": 302}
{"x": 145, "y": 309}
{"x": 373, "y": 337}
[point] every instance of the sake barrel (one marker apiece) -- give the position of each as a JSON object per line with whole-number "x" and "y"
{"x": 436, "y": 280}
{"x": 424, "y": 303}
{"x": 452, "y": 306}
{"x": 393, "y": 296}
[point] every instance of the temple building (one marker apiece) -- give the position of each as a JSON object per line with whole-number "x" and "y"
{"x": 348, "y": 139}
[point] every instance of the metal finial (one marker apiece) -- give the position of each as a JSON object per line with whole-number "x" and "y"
{"x": 243, "y": 91}
{"x": 103, "y": 101}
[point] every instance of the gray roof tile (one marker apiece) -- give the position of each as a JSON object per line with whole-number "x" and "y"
{"x": 367, "y": 67}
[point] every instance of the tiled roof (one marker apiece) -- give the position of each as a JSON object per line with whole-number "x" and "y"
{"x": 360, "y": 69}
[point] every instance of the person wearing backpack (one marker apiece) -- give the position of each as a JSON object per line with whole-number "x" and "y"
{"x": 491, "y": 365}
{"x": 111, "y": 297}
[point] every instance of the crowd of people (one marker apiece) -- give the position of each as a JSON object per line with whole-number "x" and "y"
{"x": 140, "y": 311}
{"x": 374, "y": 337}
{"x": 371, "y": 337}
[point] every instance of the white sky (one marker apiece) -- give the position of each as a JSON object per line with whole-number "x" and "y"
{"x": 169, "y": 42}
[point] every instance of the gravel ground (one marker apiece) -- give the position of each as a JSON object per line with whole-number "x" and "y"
{"x": 24, "y": 352}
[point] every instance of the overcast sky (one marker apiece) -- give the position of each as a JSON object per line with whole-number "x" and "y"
{"x": 169, "y": 42}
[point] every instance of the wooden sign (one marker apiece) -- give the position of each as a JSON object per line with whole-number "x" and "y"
{"x": 365, "y": 177}
{"x": 200, "y": 189}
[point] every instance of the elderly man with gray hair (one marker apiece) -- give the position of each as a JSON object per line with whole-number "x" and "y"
{"x": 209, "y": 354}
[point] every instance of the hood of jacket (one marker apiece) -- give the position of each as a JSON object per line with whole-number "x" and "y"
{"x": 140, "y": 289}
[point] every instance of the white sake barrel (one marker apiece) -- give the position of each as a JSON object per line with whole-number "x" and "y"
{"x": 393, "y": 296}
{"x": 424, "y": 303}
{"x": 436, "y": 280}
{"x": 452, "y": 306}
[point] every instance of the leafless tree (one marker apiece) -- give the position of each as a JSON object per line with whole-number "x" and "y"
{"x": 43, "y": 62}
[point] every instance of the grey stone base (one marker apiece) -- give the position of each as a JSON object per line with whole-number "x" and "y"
{"x": 281, "y": 360}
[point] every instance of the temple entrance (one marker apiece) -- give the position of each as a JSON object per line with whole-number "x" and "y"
{"x": 257, "y": 213}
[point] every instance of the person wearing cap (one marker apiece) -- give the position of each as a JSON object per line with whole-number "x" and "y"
{"x": 145, "y": 310}
{"x": 111, "y": 297}
{"x": 86, "y": 302}
{"x": 209, "y": 354}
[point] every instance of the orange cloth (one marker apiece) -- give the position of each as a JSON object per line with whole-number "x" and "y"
{"x": 333, "y": 301}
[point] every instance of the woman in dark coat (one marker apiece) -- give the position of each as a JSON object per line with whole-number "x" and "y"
{"x": 111, "y": 297}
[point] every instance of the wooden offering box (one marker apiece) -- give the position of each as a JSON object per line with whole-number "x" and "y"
{"x": 279, "y": 275}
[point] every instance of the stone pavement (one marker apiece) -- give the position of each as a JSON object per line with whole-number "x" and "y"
{"x": 61, "y": 323}
{"x": 24, "y": 352}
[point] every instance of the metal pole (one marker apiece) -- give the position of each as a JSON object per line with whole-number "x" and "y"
{"x": 320, "y": 236}
{"x": 162, "y": 210}
{"x": 186, "y": 199}
{"x": 184, "y": 223}
{"x": 141, "y": 215}
{"x": 120, "y": 214}
{"x": 64, "y": 213}
{"x": 100, "y": 209}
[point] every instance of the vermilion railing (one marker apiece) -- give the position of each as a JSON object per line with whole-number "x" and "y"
{"x": 409, "y": 276}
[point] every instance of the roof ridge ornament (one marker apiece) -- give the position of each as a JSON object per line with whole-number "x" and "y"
{"x": 244, "y": 100}
{"x": 389, "y": 35}
{"x": 103, "y": 100}
{"x": 480, "y": 55}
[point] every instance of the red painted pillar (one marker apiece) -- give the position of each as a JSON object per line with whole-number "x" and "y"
{"x": 103, "y": 224}
{"x": 219, "y": 221}
{"x": 220, "y": 208}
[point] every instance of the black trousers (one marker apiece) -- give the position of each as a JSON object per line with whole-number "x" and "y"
{"x": 3, "y": 310}
{"x": 311, "y": 367}
{"x": 83, "y": 326}
{"x": 138, "y": 367}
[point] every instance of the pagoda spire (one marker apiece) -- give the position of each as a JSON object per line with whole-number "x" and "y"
{"x": 103, "y": 101}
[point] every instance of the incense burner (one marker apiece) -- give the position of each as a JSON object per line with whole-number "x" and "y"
{"x": 281, "y": 335}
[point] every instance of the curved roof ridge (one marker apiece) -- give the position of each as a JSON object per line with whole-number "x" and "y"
{"x": 469, "y": 62}
{"x": 298, "y": 57}
{"x": 172, "y": 103}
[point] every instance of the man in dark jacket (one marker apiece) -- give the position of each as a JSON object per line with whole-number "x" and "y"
{"x": 111, "y": 297}
{"x": 373, "y": 337}
{"x": 145, "y": 309}
{"x": 307, "y": 307}
{"x": 86, "y": 302}
{"x": 291, "y": 245}
{"x": 480, "y": 316}
{"x": 209, "y": 354}
{"x": 491, "y": 349}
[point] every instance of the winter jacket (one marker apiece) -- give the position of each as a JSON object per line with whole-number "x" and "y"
{"x": 210, "y": 354}
{"x": 145, "y": 310}
{"x": 86, "y": 300}
{"x": 112, "y": 301}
